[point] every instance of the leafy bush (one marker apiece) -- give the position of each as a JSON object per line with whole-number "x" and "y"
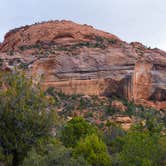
{"x": 24, "y": 117}
{"x": 74, "y": 130}
{"x": 139, "y": 149}
{"x": 162, "y": 150}
{"x": 113, "y": 132}
{"x": 51, "y": 154}
{"x": 94, "y": 150}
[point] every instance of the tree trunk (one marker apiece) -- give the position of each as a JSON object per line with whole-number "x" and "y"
{"x": 15, "y": 161}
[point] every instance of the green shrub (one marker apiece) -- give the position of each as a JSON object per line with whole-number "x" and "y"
{"x": 93, "y": 149}
{"x": 162, "y": 150}
{"x": 51, "y": 154}
{"x": 139, "y": 149}
{"x": 24, "y": 117}
{"x": 74, "y": 130}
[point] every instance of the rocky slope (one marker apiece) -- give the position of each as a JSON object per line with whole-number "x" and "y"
{"x": 78, "y": 59}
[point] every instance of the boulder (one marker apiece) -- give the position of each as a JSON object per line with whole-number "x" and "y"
{"x": 118, "y": 105}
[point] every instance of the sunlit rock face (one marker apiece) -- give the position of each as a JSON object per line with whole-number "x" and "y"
{"x": 149, "y": 84}
{"x": 78, "y": 59}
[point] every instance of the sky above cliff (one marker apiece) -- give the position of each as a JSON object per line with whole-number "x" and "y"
{"x": 131, "y": 20}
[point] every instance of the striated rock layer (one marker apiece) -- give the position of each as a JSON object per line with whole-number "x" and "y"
{"x": 77, "y": 58}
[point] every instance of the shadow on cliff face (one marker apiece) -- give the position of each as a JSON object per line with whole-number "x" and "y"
{"x": 111, "y": 88}
{"x": 121, "y": 89}
{"x": 158, "y": 95}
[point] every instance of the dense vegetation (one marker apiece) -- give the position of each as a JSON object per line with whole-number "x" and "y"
{"x": 44, "y": 129}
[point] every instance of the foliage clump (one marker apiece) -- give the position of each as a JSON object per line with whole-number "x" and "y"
{"x": 24, "y": 115}
{"x": 32, "y": 134}
{"x": 94, "y": 150}
{"x": 75, "y": 129}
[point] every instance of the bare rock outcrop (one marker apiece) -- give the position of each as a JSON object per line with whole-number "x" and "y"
{"x": 116, "y": 104}
{"x": 123, "y": 120}
{"x": 77, "y": 58}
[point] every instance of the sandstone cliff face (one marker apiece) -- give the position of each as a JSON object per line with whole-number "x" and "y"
{"x": 77, "y": 58}
{"x": 50, "y": 33}
{"x": 149, "y": 84}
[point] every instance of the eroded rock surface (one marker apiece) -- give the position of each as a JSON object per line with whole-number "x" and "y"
{"x": 116, "y": 104}
{"x": 79, "y": 59}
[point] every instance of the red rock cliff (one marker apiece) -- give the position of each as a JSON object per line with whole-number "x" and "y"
{"x": 80, "y": 59}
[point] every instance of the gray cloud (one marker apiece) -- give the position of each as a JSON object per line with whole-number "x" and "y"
{"x": 131, "y": 20}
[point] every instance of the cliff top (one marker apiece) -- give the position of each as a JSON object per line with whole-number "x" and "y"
{"x": 52, "y": 31}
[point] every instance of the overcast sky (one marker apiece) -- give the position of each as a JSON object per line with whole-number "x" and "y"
{"x": 131, "y": 20}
